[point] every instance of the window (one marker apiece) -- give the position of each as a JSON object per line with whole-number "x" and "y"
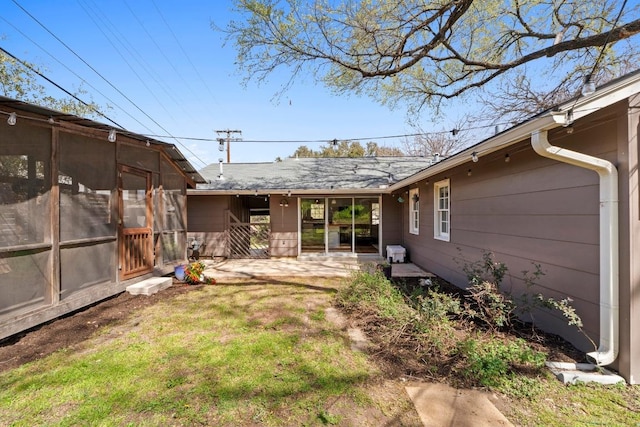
{"x": 414, "y": 211}
{"x": 442, "y": 214}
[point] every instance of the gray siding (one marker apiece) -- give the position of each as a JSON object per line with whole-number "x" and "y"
{"x": 392, "y": 222}
{"x": 525, "y": 211}
{"x": 207, "y": 219}
{"x": 628, "y": 142}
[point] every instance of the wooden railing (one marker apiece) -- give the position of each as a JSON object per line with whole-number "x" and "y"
{"x": 136, "y": 254}
{"x": 248, "y": 240}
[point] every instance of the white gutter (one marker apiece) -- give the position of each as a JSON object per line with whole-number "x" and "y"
{"x": 607, "y": 351}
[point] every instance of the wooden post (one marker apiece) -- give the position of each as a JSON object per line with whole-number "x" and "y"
{"x": 54, "y": 228}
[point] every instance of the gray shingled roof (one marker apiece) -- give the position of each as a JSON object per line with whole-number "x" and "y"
{"x": 323, "y": 174}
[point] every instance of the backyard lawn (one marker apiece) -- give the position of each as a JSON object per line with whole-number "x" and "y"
{"x": 233, "y": 354}
{"x": 272, "y": 354}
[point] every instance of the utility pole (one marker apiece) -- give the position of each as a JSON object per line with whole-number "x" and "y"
{"x": 228, "y": 139}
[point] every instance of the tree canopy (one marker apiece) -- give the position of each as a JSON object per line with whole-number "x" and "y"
{"x": 20, "y": 82}
{"x": 347, "y": 149}
{"x": 421, "y": 52}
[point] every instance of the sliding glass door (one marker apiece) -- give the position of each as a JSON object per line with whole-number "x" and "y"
{"x": 312, "y": 225}
{"x": 366, "y": 224}
{"x": 340, "y": 224}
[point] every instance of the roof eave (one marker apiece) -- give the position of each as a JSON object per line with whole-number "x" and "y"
{"x": 607, "y": 95}
{"x": 286, "y": 191}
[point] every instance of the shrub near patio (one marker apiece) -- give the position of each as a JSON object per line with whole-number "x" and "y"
{"x": 470, "y": 339}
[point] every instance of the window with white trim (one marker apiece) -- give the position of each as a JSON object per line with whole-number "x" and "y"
{"x": 414, "y": 211}
{"x": 442, "y": 210}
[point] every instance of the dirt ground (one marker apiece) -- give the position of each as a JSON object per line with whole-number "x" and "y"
{"x": 75, "y": 327}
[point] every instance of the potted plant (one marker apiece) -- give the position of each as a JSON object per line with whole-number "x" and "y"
{"x": 194, "y": 274}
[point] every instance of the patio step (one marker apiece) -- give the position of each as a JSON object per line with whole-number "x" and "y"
{"x": 150, "y": 286}
{"x": 409, "y": 270}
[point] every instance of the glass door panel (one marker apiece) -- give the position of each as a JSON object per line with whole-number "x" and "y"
{"x": 366, "y": 218}
{"x": 312, "y": 226}
{"x": 340, "y": 225}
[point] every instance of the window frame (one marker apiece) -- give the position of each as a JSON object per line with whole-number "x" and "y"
{"x": 438, "y": 211}
{"x": 414, "y": 211}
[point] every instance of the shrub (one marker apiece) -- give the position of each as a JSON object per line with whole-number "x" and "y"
{"x": 488, "y": 362}
{"x": 372, "y": 292}
{"x": 488, "y": 302}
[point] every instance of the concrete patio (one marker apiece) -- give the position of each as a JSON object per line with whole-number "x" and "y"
{"x": 236, "y": 269}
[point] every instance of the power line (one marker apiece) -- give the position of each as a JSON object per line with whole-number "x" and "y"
{"x": 229, "y": 139}
{"x": 103, "y": 78}
{"x": 91, "y": 107}
{"x": 72, "y": 72}
{"x": 124, "y": 59}
{"x": 183, "y": 50}
{"x": 160, "y": 49}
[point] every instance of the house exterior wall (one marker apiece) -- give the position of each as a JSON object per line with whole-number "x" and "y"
{"x": 529, "y": 210}
{"x": 628, "y": 163}
{"x": 284, "y": 227}
{"x": 207, "y": 219}
{"x": 393, "y": 221}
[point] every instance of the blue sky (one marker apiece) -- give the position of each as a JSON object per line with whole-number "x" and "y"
{"x": 167, "y": 60}
{"x": 191, "y": 87}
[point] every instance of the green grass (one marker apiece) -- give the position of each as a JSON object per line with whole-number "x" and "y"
{"x": 225, "y": 355}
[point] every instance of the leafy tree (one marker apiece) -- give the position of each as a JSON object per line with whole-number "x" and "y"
{"x": 425, "y": 51}
{"x": 19, "y": 82}
{"x": 347, "y": 149}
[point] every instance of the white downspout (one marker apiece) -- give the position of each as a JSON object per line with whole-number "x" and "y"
{"x": 608, "y": 346}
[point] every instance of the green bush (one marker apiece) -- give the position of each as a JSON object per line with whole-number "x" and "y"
{"x": 488, "y": 362}
{"x": 372, "y": 292}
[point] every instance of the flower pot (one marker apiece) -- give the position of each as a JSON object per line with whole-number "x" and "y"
{"x": 178, "y": 270}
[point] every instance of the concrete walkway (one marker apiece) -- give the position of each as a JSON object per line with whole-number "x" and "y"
{"x": 439, "y": 405}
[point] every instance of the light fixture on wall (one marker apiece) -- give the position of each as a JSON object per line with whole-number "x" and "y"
{"x": 507, "y": 158}
{"x": 469, "y": 172}
{"x": 415, "y": 198}
{"x": 13, "y": 118}
{"x": 289, "y": 193}
{"x": 284, "y": 203}
{"x": 112, "y": 135}
{"x": 51, "y": 121}
{"x": 148, "y": 143}
{"x": 474, "y": 157}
